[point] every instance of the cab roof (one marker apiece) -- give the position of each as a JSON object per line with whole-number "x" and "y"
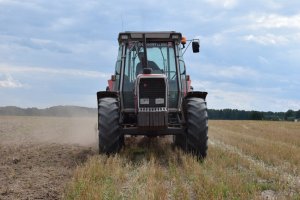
{"x": 154, "y": 36}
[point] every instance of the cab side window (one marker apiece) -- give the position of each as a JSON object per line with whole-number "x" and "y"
{"x": 182, "y": 71}
{"x": 118, "y": 68}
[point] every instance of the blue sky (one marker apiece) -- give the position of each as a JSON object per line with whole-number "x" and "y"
{"x": 60, "y": 52}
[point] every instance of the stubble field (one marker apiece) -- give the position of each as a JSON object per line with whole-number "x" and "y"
{"x": 54, "y": 158}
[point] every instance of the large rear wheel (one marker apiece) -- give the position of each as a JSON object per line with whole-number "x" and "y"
{"x": 194, "y": 139}
{"x": 110, "y": 138}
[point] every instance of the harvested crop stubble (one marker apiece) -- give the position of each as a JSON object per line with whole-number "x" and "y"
{"x": 152, "y": 169}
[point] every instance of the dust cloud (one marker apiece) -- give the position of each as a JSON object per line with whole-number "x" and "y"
{"x": 59, "y": 130}
{"x": 39, "y": 154}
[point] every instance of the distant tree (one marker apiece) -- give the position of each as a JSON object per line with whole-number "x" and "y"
{"x": 242, "y": 114}
{"x": 255, "y": 115}
{"x": 298, "y": 114}
{"x": 289, "y": 114}
{"x": 234, "y": 114}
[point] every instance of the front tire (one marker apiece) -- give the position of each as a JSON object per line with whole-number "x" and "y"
{"x": 110, "y": 138}
{"x": 194, "y": 139}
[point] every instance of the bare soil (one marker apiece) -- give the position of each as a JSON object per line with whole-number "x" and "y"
{"x": 38, "y": 154}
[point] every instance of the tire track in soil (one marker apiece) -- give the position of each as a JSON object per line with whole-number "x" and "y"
{"x": 292, "y": 181}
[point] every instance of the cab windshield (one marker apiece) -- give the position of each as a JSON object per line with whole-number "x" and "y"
{"x": 160, "y": 58}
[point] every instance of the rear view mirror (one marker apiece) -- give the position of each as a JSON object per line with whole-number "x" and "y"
{"x": 196, "y": 46}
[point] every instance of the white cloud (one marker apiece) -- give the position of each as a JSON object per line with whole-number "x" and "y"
{"x": 273, "y": 4}
{"x": 217, "y": 39}
{"x": 268, "y": 39}
{"x": 62, "y": 23}
{"x": 285, "y": 104}
{"x": 68, "y": 72}
{"x": 227, "y": 72}
{"x": 236, "y": 71}
{"x": 275, "y": 21}
{"x": 263, "y": 60}
{"x": 33, "y": 43}
{"x": 224, "y": 95}
{"x": 4, "y": 1}
{"x": 223, "y": 3}
{"x": 30, "y": 5}
{"x": 227, "y": 95}
{"x": 9, "y": 82}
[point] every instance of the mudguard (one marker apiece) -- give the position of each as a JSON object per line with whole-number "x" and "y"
{"x": 198, "y": 94}
{"x": 102, "y": 94}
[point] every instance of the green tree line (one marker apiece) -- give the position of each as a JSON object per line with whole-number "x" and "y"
{"x": 234, "y": 114}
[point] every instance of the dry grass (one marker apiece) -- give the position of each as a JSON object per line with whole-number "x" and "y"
{"x": 246, "y": 160}
{"x": 275, "y": 143}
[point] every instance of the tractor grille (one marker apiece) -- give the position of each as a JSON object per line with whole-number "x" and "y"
{"x": 152, "y": 92}
{"x": 152, "y": 112}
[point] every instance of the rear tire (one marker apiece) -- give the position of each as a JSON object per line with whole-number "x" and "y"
{"x": 195, "y": 137}
{"x": 110, "y": 138}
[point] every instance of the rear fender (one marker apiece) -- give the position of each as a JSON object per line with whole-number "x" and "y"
{"x": 198, "y": 94}
{"x": 102, "y": 94}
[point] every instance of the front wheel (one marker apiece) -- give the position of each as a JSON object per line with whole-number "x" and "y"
{"x": 110, "y": 137}
{"x": 194, "y": 139}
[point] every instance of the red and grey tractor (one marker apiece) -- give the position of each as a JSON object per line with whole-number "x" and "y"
{"x": 150, "y": 94}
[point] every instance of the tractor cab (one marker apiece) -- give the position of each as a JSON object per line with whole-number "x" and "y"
{"x": 151, "y": 53}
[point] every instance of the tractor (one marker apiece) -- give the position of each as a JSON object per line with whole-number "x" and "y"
{"x": 150, "y": 94}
